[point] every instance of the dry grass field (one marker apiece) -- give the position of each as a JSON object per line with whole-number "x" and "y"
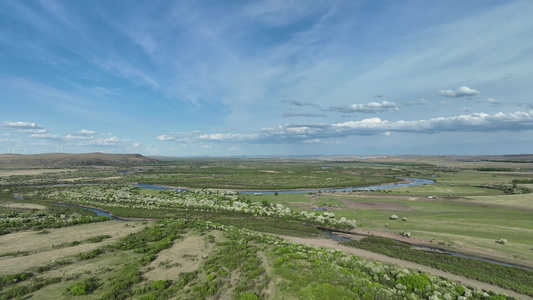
{"x": 41, "y": 249}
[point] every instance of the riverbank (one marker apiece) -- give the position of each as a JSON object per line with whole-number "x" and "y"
{"x": 420, "y": 244}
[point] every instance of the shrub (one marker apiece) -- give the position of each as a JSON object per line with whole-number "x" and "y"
{"x": 158, "y": 285}
{"x": 412, "y": 282}
{"x": 84, "y": 287}
{"x": 248, "y": 296}
{"x": 77, "y": 289}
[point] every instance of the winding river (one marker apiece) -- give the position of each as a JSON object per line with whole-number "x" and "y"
{"x": 98, "y": 212}
{"x": 406, "y": 181}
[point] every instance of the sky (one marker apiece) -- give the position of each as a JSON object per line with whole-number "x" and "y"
{"x": 274, "y": 77}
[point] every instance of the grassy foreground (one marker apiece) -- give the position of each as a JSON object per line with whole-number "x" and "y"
{"x": 153, "y": 263}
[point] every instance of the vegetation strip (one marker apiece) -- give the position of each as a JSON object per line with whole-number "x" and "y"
{"x": 516, "y": 279}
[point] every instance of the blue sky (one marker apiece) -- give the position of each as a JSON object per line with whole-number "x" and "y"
{"x": 223, "y": 78}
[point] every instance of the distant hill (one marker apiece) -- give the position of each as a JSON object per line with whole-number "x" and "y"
{"x": 66, "y": 159}
{"x": 503, "y": 158}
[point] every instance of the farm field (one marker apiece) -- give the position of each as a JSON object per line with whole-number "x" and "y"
{"x": 184, "y": 244}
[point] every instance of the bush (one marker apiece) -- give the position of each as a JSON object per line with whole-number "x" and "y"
{"x": 413, "y": 282}
{"x": 84, "y": 287}
{"x": 77, "y": 289}
{"x": 159, "y": 285}
{"x": 248, "y": 296}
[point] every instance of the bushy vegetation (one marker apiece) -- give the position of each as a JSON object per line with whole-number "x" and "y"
{"x": 19, "y": 290}
{"x": 129, "y": 197}
{"x": 12, "y": 220}
{"x": 512, "y": 278}
{"x": 84, "y": 287}
{"x": 507, "y": 189}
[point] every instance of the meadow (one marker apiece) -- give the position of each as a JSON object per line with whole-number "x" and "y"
{"x": 235, "y": 251}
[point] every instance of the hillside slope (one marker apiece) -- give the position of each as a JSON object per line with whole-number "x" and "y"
{"x": 66, "y": 159}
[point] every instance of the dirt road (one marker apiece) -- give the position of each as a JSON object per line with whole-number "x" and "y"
{"x": 330, "y": 243}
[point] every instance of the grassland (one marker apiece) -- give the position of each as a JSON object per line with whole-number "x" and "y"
{"x": 50, "y": 252}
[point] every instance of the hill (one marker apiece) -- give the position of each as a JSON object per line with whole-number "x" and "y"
{"x": 66, "y": 159}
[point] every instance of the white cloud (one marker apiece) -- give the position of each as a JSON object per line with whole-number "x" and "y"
{"x": 464, "y": 123}
{"x": 372, "y": 107}
{"x": 462, "y": 91}
{"x": 181, "y": 137}
{"x": 23, "y": 127}
{"x": 78, "y": 137}
{"x": 228, "y": 137}
{"x": 81, "y": 135}
{"x": 85, "y": 132}
{"x": 317, "y": 133}
{"x": 111, "y": 141}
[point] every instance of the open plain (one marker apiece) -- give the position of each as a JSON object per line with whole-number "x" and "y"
{"x": 212, "y": 242}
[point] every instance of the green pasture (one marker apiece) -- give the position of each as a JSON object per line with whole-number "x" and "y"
{"x": 473, "y": 177}
{"x": 445, "y": 189}
{"x": 263, "y": 174}
{"x": 524, "y": 201}
{"x": 458, "y": 222}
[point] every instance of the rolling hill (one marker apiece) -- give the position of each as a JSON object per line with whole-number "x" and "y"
{"x": 66, "y": 159}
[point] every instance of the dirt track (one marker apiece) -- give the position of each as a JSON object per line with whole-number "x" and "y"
{"x": 330, "y": 243}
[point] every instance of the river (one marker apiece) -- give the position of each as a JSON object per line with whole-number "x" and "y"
{"x": 406, "y": 181}
{"x": 98, "y": 212}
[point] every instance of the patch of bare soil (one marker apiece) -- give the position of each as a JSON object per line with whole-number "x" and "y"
{"x": 75, "y": 179}
{"x": 330, "y": 243}
{"x": 392, "y": 206}
{"x": 268, "y": 171}
{"x": 272, "y": 285}
{"x": 184, "y": 256}
{"x": 23, "y": 205}
{"x": 311, "y": 206}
